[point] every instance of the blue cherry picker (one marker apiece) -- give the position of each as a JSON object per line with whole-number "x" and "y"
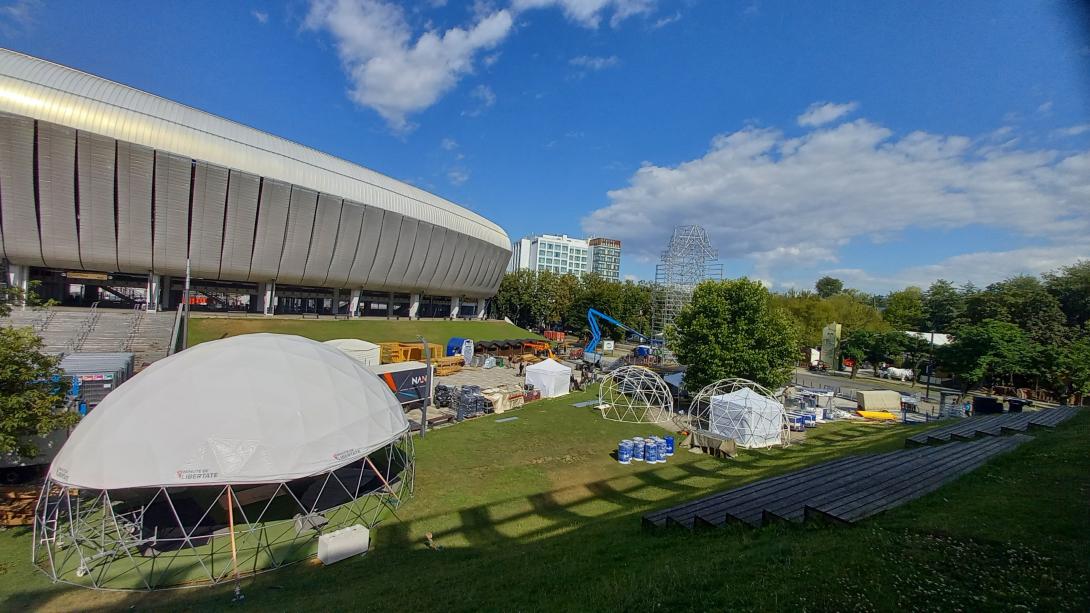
{"x": 593, "y": 315}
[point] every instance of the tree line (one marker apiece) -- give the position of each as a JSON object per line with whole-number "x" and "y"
{"x": 1025, "y": 331}
{"x": 547, "y": 300}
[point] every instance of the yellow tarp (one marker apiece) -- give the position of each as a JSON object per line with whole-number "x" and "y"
{"x": 881, "y": 415}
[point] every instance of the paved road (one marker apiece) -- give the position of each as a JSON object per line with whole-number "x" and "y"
{"x": 864, "y": 381}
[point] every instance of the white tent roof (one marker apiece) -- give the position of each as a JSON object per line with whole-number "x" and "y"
{"x": 255, "y": 408}
{"x": 352, "y": 344}
{"x": 363, "y": 352}
{"x": 747, "y": 397}
{"x": 549, "y": 365}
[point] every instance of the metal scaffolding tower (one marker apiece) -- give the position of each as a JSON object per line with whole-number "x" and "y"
{"x": 688, "y": 259}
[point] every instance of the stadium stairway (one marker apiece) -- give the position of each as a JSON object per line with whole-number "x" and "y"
{"x": 99, "y": 330}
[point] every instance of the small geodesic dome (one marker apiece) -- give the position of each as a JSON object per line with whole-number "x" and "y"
{"x": 232, "y": 457}
{"x": 635, "y": 394}
{"x": 738, "y": 410}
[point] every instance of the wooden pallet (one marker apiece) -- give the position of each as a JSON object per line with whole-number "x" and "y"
{"x": 393, "y": 353}
{"x": 448, "y": 366}
{"x": 17, "y": 504}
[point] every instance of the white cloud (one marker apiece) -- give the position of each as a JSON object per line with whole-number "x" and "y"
{"x": 485, "y": 98}
{"x": 457, "y": 176}
{"x": 589, "y": 13}
{"x": 1045, "y": 107}
{"x": 590, "y": 62}
{"x": 448, "y": 144}
{"x": 981, "y": 268}
{"x": 1070, "y": 131}
{"x": 19, "y": 16}
{"x": 391, "y": 72}
{"x": 821, "y": 113}
{"x": 783, "y": 202}
{"x": 491, "y": 58}
{"x": 261, "y": 16}
{"x": 665, "y": 21}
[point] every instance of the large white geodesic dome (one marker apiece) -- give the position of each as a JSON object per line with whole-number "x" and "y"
{"x": 232, "y": 457}
{"x": 740, "y": 410}
{"x": 635, "y": 394}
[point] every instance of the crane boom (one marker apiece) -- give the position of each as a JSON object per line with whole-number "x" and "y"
{"x": 593, "y": 315}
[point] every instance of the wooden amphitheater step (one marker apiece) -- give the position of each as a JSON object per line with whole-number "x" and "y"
{"x": 994, "y": 425}
{"x": 685, "y": 513}
{"x": 791, "y": 504}
{"x": 927, "y": 478}
{"x": 897, "y": 467}
{"x": 846, "y": 489}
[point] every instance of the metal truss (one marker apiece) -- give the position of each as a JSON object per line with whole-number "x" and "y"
{"x": 688, "y": 259}
{"x": 635, "y": 394}
{"x": 747, "y": 420}
{"x": 167, "y": 537}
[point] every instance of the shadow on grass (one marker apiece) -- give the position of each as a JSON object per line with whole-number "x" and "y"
{"x": 574, "y": 547}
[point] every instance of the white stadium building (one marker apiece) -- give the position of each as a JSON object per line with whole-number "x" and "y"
{"x": 106, "y": 187}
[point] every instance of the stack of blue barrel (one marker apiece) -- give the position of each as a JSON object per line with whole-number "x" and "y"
{"x": 651, "y": 449}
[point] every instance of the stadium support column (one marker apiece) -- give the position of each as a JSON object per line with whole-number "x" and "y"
{"x": 481, "y": 304}
{"x": 414, "y": 306}
{"x": 269, "y": 304}
{"x": 354, "y": 303}
{"x": 154, "y": 293}
{"x": 19, "y": 277}
{"x": 455, "y": 305}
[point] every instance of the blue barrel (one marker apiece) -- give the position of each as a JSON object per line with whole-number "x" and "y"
{"x": 651, "y": 451}
{"x": 669, "y": 445}
{"x": 661, "y": 450}
{"x": 637, "y": 449}
{"x": 624, "y": 452}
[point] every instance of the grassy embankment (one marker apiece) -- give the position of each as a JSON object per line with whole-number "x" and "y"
{"x": 373, "y": 330}
{"x": 534, "y": 515}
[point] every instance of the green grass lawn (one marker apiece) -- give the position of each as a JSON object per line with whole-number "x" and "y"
{"x": 203, "y": 329}
{"x": 534, "y": 514}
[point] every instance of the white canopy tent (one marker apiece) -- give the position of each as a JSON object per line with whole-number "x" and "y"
{"x": 361, "y": 351}
{"x": 748, "y": 417}
{"x": 200, "y": 444}
{"x": 549, "y": 376}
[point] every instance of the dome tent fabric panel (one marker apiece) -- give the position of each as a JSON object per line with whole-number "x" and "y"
{"x": 256, "y": 408}
{"x": 549, "y": 376}
{"x": 361, "y": 351}
{"x": 747, "y": 417}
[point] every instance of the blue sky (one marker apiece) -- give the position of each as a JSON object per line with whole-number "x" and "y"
{"x": 885, "y": 144}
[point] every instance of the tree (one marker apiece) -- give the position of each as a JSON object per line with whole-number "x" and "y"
{"x": 1072, "y": 367}
{"x": 986, "y": 353}
{"x": 732, "y": 329}
{"x": 905, "y": 309}
{"x": 942, "y": 306}
{"x": 828, "y": 286}
{"x": 873, "y": 347}
{"x": 31, "y": 392}
{"x": 1071, "y": 287}
{"x": 520, "y": 298}
{"x": 855, "y": 346}
{"x": 1023, "y": 301}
